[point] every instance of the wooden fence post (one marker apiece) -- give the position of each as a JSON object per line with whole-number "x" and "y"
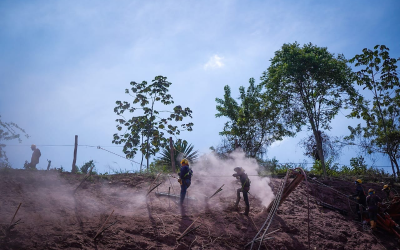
{"x": 172, "y": 152}
{"x": 75, "y": 151}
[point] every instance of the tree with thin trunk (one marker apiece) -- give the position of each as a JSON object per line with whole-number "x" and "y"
{"x": 309, "y": 85}
{"x": 148, "y": 123}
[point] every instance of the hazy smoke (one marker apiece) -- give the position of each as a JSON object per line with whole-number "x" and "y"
{"x": 209, "y": 167}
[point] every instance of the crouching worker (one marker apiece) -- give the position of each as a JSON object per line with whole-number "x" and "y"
{"x": 245, "y": 182}
{"x": 185, "y": 177}
{"x": 372, "y": 203}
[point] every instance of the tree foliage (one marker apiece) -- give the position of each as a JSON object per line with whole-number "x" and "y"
{"x": 381, "y": 112}
{"x": 182, "y": 150}
{"x": 9, "y": 131}
{"x": 330, "y": 146}
{"x": 253, "y": 123}
{"x": 145, "y": 122}
{"x": 309, "y": 85}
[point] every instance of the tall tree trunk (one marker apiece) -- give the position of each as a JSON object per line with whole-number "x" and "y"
{"x": 320, "y": 151}
{"x": 141, "y": 162}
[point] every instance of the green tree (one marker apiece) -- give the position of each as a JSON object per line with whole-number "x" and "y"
{"x": 145, "y": 131}
{"x": 381, "y": 113}
{"x": 330, "y": 146}
{"x": 253, "y": 123}
{"x": 182, "y": 150}
{"x": 309, "y": 85}
{"x": 9, "y": 131}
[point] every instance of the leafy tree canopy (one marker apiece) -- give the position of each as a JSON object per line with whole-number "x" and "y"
{"x": 145, "y": 126}
{"x": 309, "y": 85}
{"x": 253, "y": 123}
{"x": 381, "y": 112}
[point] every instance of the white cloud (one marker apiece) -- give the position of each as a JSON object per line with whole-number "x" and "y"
{"x": 215, "y": 62}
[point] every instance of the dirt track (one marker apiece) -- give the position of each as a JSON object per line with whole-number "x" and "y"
{"x": 53, "y": 218}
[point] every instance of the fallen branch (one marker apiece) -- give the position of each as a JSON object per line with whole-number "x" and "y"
{"x": 84, "y": 179}
{"x": 15, "y": 214}
{"x": 153, "y": 183}
{"x": 101, "y": 229}
{"x": 153, "y": 188}
{"x": 112, "y": 224}
{"x": 216, "y": 192}
{"x": 192, "y": 243}
{"x": 185, "y": 232}
{"x": 191, "y": 230}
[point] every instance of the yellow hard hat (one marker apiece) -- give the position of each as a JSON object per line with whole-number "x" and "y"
{"x": 386, "y": 187}
{"x": 371, "y": 190}
{"x": 359, "y": 181}
{"x": 184, "y": 161}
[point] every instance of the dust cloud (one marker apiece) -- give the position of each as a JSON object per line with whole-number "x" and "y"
{"x": 219, "y": 171}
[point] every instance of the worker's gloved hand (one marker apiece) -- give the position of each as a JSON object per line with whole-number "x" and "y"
{"x": 180, "y": 181}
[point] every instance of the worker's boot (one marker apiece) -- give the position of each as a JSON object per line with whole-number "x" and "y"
{"x": 246, "y": 211}
{"x": 373, "y": 225}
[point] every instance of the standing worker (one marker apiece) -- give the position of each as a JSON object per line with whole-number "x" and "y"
{"x": 35, "y": 157}
{"x": 389, "y": 193}
{"x": 372, "y": 203}
{"x": 185, "y": 177}
{"x": 245, "y": 182}
{"x": 360, "y": 197}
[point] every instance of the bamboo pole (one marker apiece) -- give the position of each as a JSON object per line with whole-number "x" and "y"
{"x": 184, "y": 233}
{"x": 98, "y": 232}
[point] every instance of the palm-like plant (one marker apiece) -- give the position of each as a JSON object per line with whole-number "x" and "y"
{"x": 182, "y": 150}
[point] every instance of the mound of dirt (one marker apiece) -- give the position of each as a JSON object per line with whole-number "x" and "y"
{"x": 52, "y": 216}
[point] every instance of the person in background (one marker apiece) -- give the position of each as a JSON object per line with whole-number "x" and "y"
{"x": 388, "y": 192}
{"x": 372, "y": 203}
{"x": 185, "y": 178}
{"x": 360, "y": 198}
{"x": 245, "y": 188}
{"x": 35, "y": 157}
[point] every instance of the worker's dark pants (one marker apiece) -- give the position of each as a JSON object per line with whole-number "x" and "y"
{"x": 245, "y": 191}
{"x": 359, "y": 207}
{"x": 185, "y": 184}
{"x": 373, "y": 215}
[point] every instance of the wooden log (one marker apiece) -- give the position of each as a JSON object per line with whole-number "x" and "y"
{"x": 100, "y": 230}
{"x": 187, "y": 229}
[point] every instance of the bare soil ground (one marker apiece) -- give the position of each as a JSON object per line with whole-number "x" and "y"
{"x": 54, "y": 218}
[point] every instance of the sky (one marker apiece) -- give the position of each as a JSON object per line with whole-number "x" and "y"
{"x": 64, "y": 64}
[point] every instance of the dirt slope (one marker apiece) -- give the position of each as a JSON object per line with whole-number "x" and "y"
{"x": 54, "y": 218}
